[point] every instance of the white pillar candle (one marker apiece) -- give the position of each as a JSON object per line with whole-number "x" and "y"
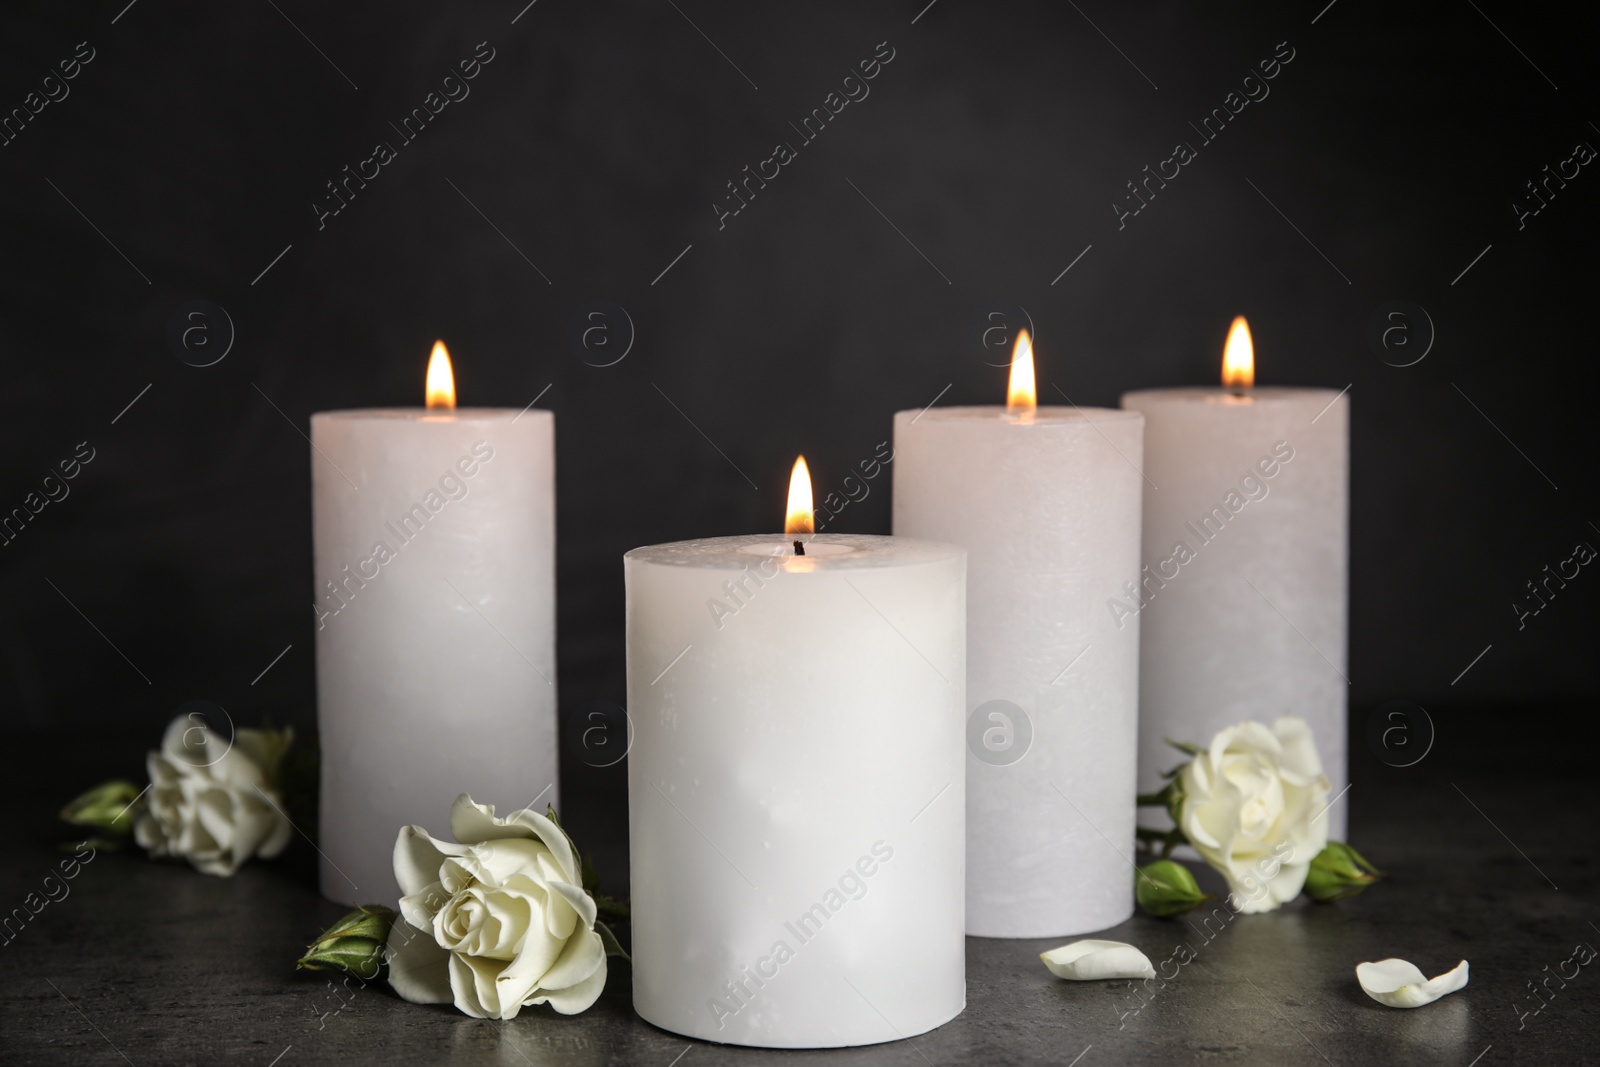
{"x": 1046, "y": 502}
{"x": 795, "y": 788}
{"x": 1241, "y": 600}
{"x": 435, "y": 602}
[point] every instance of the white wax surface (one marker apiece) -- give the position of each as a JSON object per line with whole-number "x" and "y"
{"x": 436, "y": 676}
{"x": 797, "y": 750}
{"x": 1048, "y": 511}
{"x": 1216, "y": 650}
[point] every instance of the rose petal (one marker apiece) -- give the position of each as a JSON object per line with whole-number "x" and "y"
{"x": 577, "y": 998}
{"x": 473, "y": 981}
{"x": 254, "y": 820}
{"x": 497, "y": 859}
{"x": 560, "y": 919}
{"x": 1090, "y": 960}
{"x": 473, "y": 823}
{"x": 418, "y": 857}
{"x": 540, "y": 952}
{"x": 172, "y": 738}
{"x": 1399, "y": 984}
{"x": 1300, "y": 762}
{"x": 419, "y": 970}
{"x": 419, "y": 908}
{"x": 278, "y": 840}
{"x": 219, "y": 864}
{"x": 583, "y": 954}
{"x": 233, "y": 768}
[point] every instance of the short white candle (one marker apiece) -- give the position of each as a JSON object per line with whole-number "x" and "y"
{"x": 1046, "y": 502}
{"x": 435, "y": 602}
{"x": 795, "y": 788}
{"x": 1242, "y": 595}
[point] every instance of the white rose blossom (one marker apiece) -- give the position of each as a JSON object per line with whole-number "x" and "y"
{"x": 1255, "y": 806}
{"x": 496, "y": 920}
{"x": 211, "y": 801}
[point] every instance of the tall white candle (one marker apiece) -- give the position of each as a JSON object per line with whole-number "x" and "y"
{"x": 435, "y": 602}
{"x": 795, "y": 788}
{"x": 1046, "y": 502}
{"x": 1241, "y": 599}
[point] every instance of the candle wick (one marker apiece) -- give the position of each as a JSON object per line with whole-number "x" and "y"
{"x": 799, "y": 549}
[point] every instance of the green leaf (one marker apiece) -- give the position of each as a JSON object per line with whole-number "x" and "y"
{"x": 608, "y": 939}
{"x": 1165, "y": 889}
{"x": 108, "y": 806}
{"x": 299, "y": 781}
{"x": 354, "y": 944}
{"x": 1148, "y": 837}
{"x": 1186, "y": 747}
{"x": 613, "y": 910}
{"x": 1158, "y": 799}
{"x": 269, "y": 746}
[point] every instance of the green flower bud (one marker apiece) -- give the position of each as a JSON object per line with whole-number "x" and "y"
{"x": 355, "y": 944}
{"x": 1339, "y": 871}
{"x": 107, "y": 807}
{"x": 1165, "y": 889}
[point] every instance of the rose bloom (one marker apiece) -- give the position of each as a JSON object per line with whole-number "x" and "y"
{"x": 495, "y": 921}
{"x": 1255, "y": 806}
{"x": 210, "y": 799}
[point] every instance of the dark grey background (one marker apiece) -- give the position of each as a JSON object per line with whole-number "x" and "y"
{"x": 597, "y": 140}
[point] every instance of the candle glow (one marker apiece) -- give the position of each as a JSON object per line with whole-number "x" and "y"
{"x": 800, "y": 518}
{"x": 1239, "y": 357}
{"x": 1022, "y": 398}
{"x": 441, "y": 386}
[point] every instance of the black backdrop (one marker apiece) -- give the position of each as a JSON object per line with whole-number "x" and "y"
{"x": 184, "y": 161}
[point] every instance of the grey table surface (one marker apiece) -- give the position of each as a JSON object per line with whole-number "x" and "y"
{"x": 1490, "y": 849}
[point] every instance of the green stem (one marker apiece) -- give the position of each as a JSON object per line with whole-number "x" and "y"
{"x": 1146, "y": 835}
{"x": 1152, "y": 800}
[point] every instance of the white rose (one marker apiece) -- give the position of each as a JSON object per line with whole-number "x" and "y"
{"x": 497, "y": 922}
{"x": 1255, "y": 806}
{"x": 211, "y": 801}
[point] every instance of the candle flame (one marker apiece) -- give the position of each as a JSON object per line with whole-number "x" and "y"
{"x": 800, "y": 518}
{"x": 1021, "y": 395}
{"x": 441, "y": 387}
{"x": 1239, "y": 357}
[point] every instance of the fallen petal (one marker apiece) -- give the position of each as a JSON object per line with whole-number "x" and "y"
{"x": 1087, "y": 961}
{"x": 1399, "y": 984}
